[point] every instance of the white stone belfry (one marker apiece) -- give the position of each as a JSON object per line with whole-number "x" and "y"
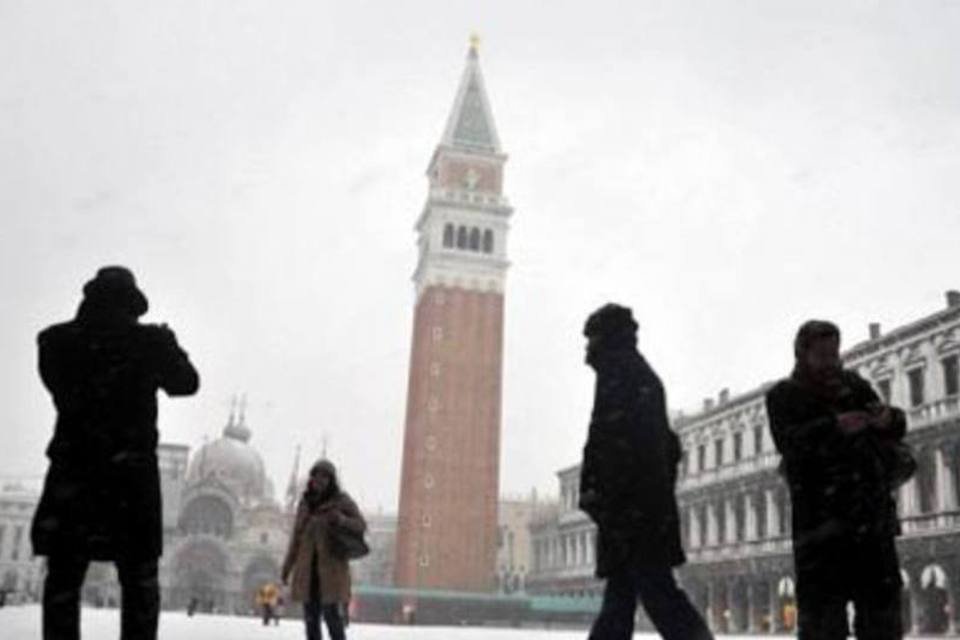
{"x": 463, "y": 226}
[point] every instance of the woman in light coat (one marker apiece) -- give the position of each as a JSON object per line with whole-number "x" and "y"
{"x": 317, "y": 575}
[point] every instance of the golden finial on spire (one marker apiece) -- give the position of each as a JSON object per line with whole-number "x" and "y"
{"x": 474, "y": 42}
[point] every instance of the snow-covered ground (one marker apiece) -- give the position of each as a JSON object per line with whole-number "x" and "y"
{"x": 23, "y": 623}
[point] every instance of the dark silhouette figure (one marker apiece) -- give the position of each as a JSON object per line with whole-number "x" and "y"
{"x": 319, "y": 574}
{"x": 627, "y": 487}
{"x": 842, "y": 457}
{"x": 101, "y": 498}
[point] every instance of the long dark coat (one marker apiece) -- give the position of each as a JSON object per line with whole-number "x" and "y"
{"x": 630, "y": 468}
{"x": 101, "y": 497}
{"x": 311, "y": 536}
{"x": 841, "y": 493}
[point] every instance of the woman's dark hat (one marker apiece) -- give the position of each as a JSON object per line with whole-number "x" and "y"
{"x": 116, "y": 286}
{"x": 325, "y": 466}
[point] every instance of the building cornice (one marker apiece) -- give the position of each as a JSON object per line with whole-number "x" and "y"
{"x": 903, "y": 333}
{"x": 687, "y": 423}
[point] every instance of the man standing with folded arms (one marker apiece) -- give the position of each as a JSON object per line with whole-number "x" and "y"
{"x": 842, "y": 458}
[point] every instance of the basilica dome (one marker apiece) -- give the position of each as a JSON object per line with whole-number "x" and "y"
{"x": 231, "y": 460}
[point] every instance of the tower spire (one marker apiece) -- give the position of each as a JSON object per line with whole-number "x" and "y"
{"x": 294, "y": 484}
{"x": 243, "y": 410}
{"x": 470, "y": 124}
{"x": 237, "y": 428}
{"x": 203, "y": 457}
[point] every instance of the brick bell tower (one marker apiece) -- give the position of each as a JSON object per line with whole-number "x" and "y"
{"x": 447, "y": 530}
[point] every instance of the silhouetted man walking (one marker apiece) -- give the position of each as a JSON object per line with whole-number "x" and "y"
{"x": 842, "y": 458}
{"x": 627, "y": 487}
{"x": 101, "y": 499}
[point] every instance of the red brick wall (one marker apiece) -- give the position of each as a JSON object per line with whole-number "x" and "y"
{"x": 453, "y": 173}
{"x": 459, "y": 374}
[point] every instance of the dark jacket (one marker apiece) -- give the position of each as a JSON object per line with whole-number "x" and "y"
{"x": 101, "y": 497}
{"x": 629, "y": 470}
{"x": 840, "y": 485}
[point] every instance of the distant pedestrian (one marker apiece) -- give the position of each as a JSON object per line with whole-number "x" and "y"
{"x": 842, "y": 457}
{"x": 315, "y": 565}
{"x": 627, "y": 487}
{"x": 268, "y": 596}
{"x": 101, "y": 498}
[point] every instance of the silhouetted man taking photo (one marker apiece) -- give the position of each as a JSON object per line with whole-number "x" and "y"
{"x": 627, "y": 487}
{"x": 843, "y": 457}
{"x": 101, "y": 499}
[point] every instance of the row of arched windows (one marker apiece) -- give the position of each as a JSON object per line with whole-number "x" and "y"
{"x": 470, "y": 239}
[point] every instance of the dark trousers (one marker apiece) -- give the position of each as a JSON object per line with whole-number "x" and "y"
{"x": 863, "y": 572}
{"x": 313, "y": 610}
{"x": 666, "y": 605}
{"x": 876, "y": 617}
{"x": 268, "y": 614}
{"x": 140, "y": 607}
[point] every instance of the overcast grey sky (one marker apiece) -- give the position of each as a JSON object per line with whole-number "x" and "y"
{"x": 728, "y": 168}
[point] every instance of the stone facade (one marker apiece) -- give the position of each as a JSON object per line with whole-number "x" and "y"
{"x": 376, "y": 569}
{"x": 447, "y": 523}
{"x": 735, "y": 508}
{"x": 20, "y": 571}
{"x": 563, "y": 545}
{"x": 514, "y": 559}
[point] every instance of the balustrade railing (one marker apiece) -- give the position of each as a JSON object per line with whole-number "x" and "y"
{"x": 470, "y": 197}
{"x": 744, "y": 467}
{"x": 934, "y": 411}
{"x": 917, "y": 524}
{"x": 743, "y": 549}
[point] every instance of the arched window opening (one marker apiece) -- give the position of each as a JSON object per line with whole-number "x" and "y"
{"x": 721, "y": 523}
{"x": 740, "y": 517}
{"x": 927, "y": 482}
{"x": 761, "y": 507}
{"x": 207, "y": 515}
{"x": 462, "y": 238}
{"x": 488, "y": 241}
{"x": 448, "y": 235}
{"x": 783, "y": 509}
{"x": 475, "y": 239}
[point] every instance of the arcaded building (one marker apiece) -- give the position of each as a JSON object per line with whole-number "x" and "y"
{"x": 735, "y": 508}
{"x": 447, "y": 518}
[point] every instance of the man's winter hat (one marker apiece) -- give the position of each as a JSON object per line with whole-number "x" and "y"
{"x": 610, "y": 319}
{"x": 115, "y": 286}
{"x": 811, "y": 331}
